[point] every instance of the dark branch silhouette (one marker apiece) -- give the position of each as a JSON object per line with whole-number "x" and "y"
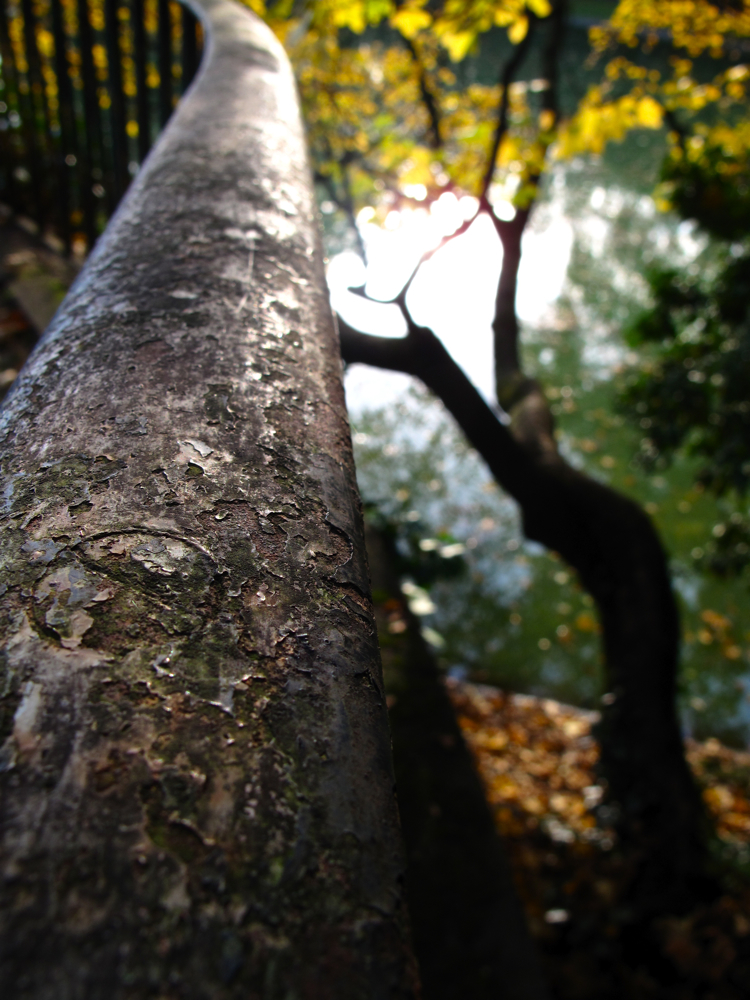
{"x": 429, "y": 98}
{"x": 506, "y": 78}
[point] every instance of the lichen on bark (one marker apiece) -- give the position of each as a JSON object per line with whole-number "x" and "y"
{"x": 197, "y": 795}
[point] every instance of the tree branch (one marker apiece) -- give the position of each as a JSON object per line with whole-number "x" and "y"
{"x": 424, "y": 356}
{"x": 505, "y": 320}
{"x": 400, "y": 298}
{"x": 348, "y": 206}
{"x": 551, "y": 58}
{"x": 676, "y": 126}
{"x": 428, "y": 97}
{"x": 506, "y": 78}
{"x": 511, "y": 385}
{"x": 517, "y": 466}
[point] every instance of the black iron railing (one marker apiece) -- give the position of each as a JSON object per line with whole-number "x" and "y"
{"x": 85, "y": 88}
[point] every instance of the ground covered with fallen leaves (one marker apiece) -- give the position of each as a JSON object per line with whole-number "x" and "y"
{"x": 537, "y": 759}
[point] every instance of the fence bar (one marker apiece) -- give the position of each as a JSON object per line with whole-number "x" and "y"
{"x": 165, "y": 63}
{"x": 67, "y": 145}
{"x": 93, "y": 126}
{"x": 34, "y": 147}
{"x": 114, "y": 87}
{"x": 9, "y": 137}
{"x": 140, "y": 40}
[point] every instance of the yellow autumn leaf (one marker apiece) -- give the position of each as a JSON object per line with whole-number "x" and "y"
{"x": 99, "y": 55}
{"x": 546, "y": 120}
{"x": 503, "y": 16}
{"x": 410, "y": 22}
{"x": 357, "y": 14}
{"x": 46, "y": 43}
{"x": 518, "y": 30}
{"x": 352, "y": 17}
{"x": 542, "y": 8}
{"x": 417, "y": 170}
{"x": 586, "y": 622}
{"x": 716, "y": 620}
{"x": 649, "y": 112}
{"x": 458, "y": 43}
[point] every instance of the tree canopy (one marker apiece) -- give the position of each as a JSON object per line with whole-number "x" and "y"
{"x": 389, "y": 108}
{"x": 691, "y": 388}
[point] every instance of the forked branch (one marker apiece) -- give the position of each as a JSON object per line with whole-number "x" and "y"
{"x": 511, "y": 385}
{"x": 400, "y": 298}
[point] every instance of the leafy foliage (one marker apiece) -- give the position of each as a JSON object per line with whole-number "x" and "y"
{"x": 383, "y": 104}
{"x": 694, "y": 25}
{"x": 386, "y": 110}
{"x": 696, "y": 391}
{"x": 691, "y": 391}
{"x": 700, "y": 94}
{"x": 713, "y": 189}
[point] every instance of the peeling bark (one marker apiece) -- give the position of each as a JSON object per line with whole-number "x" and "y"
{"x": 197, "y": 793}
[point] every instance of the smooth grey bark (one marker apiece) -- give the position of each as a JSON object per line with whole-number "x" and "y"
{"x": 196, "y": 792}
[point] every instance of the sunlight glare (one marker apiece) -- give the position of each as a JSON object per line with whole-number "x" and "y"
{"x": 454, "y": 292}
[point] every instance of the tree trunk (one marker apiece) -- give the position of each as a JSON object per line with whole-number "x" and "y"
{"x": 469, "y": 928}
{"x": 197, "y": 793}
{"x": 614, "y": 548}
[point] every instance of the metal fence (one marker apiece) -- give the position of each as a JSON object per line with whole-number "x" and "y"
{"x": 85, "y": 88}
